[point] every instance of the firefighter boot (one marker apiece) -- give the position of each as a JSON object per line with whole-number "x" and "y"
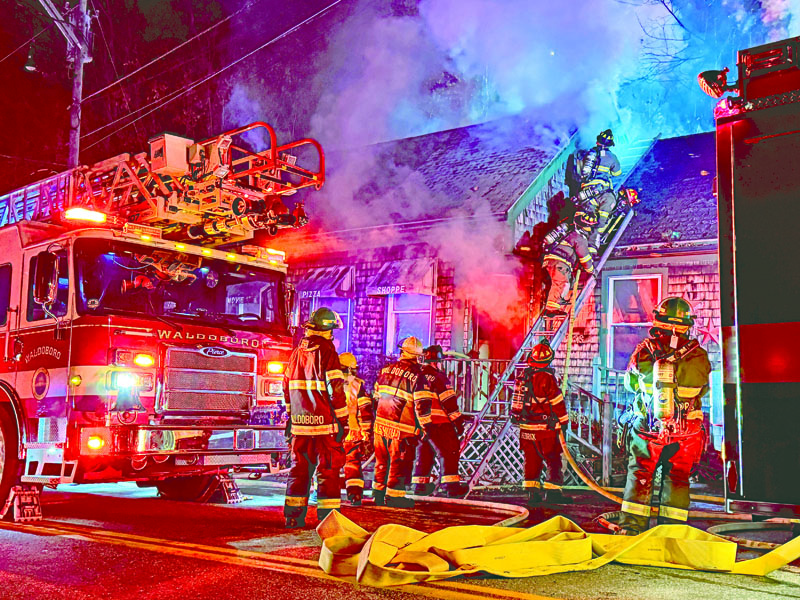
{"x": 534, "y": 497}
{"x": 399, "y": 502}
{"x": 456, "y": 489}
{"x": 424, "y": 489}
{"x": 379, "y": 496}
{"x": 354, "y": 498}
{"x": 557, "y": 497}
{"x": 295, "y": 523}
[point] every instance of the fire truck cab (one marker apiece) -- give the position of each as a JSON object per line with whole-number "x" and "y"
{"x": 131, "y": 351}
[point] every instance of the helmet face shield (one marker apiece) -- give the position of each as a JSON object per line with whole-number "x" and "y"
{"x": 674, "y": 315}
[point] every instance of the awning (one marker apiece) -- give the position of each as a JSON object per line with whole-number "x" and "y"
{"x": 405, "y": 277}
{"x": 326, "y": 282}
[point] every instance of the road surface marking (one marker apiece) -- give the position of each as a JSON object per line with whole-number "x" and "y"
{"x": 247, "y": 558}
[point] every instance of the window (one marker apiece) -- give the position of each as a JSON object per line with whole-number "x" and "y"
{"x": 633, "y": 299}
{"x": 408, "y": 314}
{"x": 35, "y": 311}
{"x": 5, "y": 292}
{"x": 341, "y": 337}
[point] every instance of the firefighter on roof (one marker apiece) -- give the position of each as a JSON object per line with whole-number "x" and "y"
{"x": 358, "y": 441}
{"x": 598, "y": 165}
{"x": 404, "y": 411}
{"x": 447, "y": 425}
{"x": 669, "y": 373}
{"x": 314, "y": 388}
{"x": 538, "y": 407}
{"x": 561, "y": 260}
{"x": 604, "y": 205}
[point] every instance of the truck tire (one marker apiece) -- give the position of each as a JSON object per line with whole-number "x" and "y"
{"x": 10, "y": 465}
{"x": 195, "y": 488}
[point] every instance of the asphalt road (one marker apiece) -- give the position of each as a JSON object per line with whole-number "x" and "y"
{"x": 123, "y": 542}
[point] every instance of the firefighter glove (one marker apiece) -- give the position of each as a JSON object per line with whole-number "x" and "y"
{"x": 288, "y": 431}
{"x": 340, "y": 431}
{"x": 459, "y": 424}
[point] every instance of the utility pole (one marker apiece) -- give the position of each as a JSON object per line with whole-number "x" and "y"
{"x": 77, "y": 31}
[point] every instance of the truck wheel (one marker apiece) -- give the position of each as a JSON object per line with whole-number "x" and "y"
{"x": 196, "y": 488}
{"x": 10, "y": 466}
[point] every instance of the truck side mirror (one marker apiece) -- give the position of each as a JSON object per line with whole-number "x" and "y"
{"x": 45, "y": 278}
{"x": 290, "y": 297}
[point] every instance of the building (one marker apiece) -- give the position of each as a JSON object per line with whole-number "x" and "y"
{"x": 418, "y": 237}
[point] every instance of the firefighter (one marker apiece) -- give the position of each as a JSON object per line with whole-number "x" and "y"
{"x": 403, "y": 413}
{"x": 447, "y": 425}
{"x": 538, "y": 407}
{"x": 598, "y": 165}
{"x": 561, "y": 260}
{"x": 358, "y": 440}
{"x": 603, "y": 205}
{"x": 669, "y": 374}
{"x": 314, "y": 386}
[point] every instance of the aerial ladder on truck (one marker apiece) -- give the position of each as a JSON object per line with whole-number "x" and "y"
{"x": 213, "y": 192}
{"x": 490, "y": 450}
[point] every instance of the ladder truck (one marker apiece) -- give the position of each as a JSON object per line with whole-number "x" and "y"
{"x": 143, "y": 332}
{"x": 758, "y": 185}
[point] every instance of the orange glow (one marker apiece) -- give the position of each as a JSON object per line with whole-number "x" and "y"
{"x": 84, "y": 214}
{"x": 275, "y": 367}
{"x": 95, "y": 442}
{"x": 144, "y": 360}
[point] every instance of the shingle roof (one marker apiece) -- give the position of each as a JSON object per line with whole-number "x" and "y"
{"x": 435, "y": 175}
{"x": 674, "y": 180}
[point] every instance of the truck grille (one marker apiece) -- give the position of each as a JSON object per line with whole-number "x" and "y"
{"x": 195, "y": 383}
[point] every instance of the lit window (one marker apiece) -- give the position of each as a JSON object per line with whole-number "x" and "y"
{"x": 630, "y": 316}
{"x": 408, "y": 314}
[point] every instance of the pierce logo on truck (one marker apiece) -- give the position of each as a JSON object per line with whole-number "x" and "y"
{"x": 217, "y": 352}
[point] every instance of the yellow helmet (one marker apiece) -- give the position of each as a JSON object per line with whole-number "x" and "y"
{"x": 411, "y": 346}
{"x": 348, "y": 361}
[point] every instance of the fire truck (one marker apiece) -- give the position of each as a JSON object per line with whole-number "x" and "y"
{"x": 144, "y": 333}
{"x": 758, "y": 187}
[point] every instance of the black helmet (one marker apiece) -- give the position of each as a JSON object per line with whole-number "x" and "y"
{"x": 432, "y": 354}
{"x": 605, "y": 139}
{"x": 585, "y": 220}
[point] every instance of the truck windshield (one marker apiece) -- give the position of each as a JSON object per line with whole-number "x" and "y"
{"x": 122, "y": 278}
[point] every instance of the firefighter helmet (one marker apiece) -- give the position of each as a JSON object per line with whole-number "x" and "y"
{"x": 348, "y": 361}
{"x": 585, "y": 220}
{"x": 324, "y": 319}
{"x": 411, "y": 346}
{"x": 433, "y": 354}
{"x": 541, "y": 355}
{"x": 674, "y": 314}
{"x": 629, "y": 196}
{"x": 605, "y": 139}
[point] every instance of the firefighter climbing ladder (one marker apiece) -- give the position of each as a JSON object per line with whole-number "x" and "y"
{"x": 490, "y": 443}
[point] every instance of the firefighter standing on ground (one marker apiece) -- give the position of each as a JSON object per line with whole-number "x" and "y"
{"x": 538, "y": 407}
{"x": 314, "y": 389}
{"x": 561, "y": 260}
{"x": 404, "y": 408}
{"x": 669, "y": 373}
{"x": 447, "y": 425}
{"x": 358, "y": 440}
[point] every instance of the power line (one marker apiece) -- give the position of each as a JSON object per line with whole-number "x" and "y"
{"x": 113, "y": 64}
{"x": 189, "y": 88}
{"x": 167, "y": 53}
{"x": 22, "y": 45}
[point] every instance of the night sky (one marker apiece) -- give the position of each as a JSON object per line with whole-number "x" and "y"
{"x": 365, "y": 71}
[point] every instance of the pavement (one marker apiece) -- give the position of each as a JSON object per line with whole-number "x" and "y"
{"x": 123, "y": 542}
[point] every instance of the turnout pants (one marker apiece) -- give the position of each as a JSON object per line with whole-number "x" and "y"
{"x": 310, "y": 452}
{"x": 676, "y": 455}
{"x": 353, "y": 473}
{"x": 560, "y": 284}
{"x": 441, "y": 437}
{"x": 541, "y": 449}
{"x": 394, "y": 459}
